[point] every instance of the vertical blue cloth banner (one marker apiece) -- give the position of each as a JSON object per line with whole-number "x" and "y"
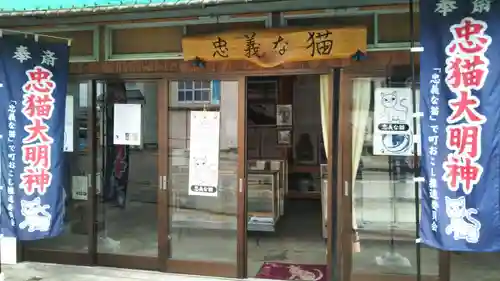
{"x": 33, "y": 82}
{"x": 460, "y": 100}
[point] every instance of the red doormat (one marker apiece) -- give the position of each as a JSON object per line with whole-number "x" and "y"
{"x": 290, "y": 271}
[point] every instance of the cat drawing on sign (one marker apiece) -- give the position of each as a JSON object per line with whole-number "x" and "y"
{"x": 297, "y": 273}
{"x": 395, "y": 109}
{"x": 36, "y": 217}
{"x": 462, "y": 224}
{"x": 200, "y": 161}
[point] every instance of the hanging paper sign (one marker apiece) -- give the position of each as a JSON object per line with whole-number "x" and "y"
{"x": 460, "y": 99}
{"x": 68, "y": 125}
{"x": 127, "y": 124}
{"x": 32, "y": 101}
{"x": 393, "y": 122}
{"x": 204, "y": 153}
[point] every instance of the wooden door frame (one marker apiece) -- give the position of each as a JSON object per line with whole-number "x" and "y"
{"x": 204, "y": 268}
{"x": 163, "y": 211}
{"x": 345, "y": 170}
{"x": 335, "y": 249}
{"x": 242, "y": 244}
{"x": 345, "y": 178}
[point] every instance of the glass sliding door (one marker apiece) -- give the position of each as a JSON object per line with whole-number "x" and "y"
{"x": 126, "y": 213}
{"x": 72, "y": 246}
{"x": 203, "y": 177}
{"x": 113, "y": 193}
{"x": 381, "y": 195}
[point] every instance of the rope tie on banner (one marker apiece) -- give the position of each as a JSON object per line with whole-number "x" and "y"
{"x": 36, "y": 36}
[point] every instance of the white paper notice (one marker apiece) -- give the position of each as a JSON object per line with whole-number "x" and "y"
{"x": 79, "y": 187}
{"x": 127, "y": 124}
{"x": 204, "y": 153}
{"x": 68, "y": 125}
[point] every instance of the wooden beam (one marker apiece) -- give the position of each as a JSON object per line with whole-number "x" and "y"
{"x": 376, "y": 62}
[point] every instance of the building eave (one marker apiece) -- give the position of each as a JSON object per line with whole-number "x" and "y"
{"x": 189, "y": 8}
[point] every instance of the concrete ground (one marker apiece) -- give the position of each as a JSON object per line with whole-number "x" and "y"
{"x": 465, "y": 267}
{"x": 28, "y": 271}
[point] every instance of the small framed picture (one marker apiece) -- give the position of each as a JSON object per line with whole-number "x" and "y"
{"x": 284, "y": 136}
{"x": 284, "y": 114}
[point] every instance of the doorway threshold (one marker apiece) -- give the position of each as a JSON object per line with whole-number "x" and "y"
{"x": 34, "y": 271}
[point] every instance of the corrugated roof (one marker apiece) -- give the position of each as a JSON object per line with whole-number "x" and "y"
{"x": 47, "y": 7}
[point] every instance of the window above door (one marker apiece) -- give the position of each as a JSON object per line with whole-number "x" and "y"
{"x": 194, "y": 91}
{"x": 189, "y": 93}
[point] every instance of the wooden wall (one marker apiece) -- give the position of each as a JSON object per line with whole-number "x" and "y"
{"x": 165, "y": 37}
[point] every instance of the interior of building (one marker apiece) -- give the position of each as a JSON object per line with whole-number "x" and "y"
{"x": 286, "y": 222}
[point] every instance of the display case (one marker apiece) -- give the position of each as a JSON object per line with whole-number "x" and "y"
{"x": 282, "y": 167}
{"x": 274, "y": 165}
{"x": 324, "y": 199}
{"x": 263, "y": 200}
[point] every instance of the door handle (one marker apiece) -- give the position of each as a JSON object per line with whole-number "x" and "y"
{"x": 240, "y": 185}
{"x": 165, "y": 182}
{"x": 162, "y": 183}
{"x": 89, "y": 180}
{"x": 346, "y": 188}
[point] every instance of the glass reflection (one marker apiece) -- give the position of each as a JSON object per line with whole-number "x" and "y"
{"x": 127, "y": 220}
{"x": 77, "y": 164}
{"x": 202, "y": 228}
{"x": 383, "y": 199}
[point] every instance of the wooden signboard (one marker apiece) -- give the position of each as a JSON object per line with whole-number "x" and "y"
{"x": 272, "y": 47}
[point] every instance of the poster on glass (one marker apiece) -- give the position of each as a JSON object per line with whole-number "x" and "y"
{"x": 393, "y": 122}
{"x": 127, "y": 124}
{"x": 204, "y": 153}
{"x": 68, "y": 125}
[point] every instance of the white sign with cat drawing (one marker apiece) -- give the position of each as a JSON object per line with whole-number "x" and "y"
{"x": 204, "y": 153}
{"x": 393, "y": 122}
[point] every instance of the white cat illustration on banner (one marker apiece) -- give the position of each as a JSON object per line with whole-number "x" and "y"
{"x": 462, "y": 225}
{"x": 36, "y": 217}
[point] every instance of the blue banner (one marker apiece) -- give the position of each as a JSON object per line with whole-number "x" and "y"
{"x": 460, "y": 99}
{"x": 33, "y": 82}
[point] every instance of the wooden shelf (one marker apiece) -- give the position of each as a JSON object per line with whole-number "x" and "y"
{"x": 305, "y": 168}
{"x": 261, "y": 214}
{"x": 399, "y": 236}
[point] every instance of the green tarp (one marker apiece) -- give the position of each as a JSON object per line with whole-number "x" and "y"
{"x": 33, "y": 5}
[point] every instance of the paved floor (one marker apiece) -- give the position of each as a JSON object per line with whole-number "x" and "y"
{"x": 51, "y": 272}
{"x": 465, "y": 267}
